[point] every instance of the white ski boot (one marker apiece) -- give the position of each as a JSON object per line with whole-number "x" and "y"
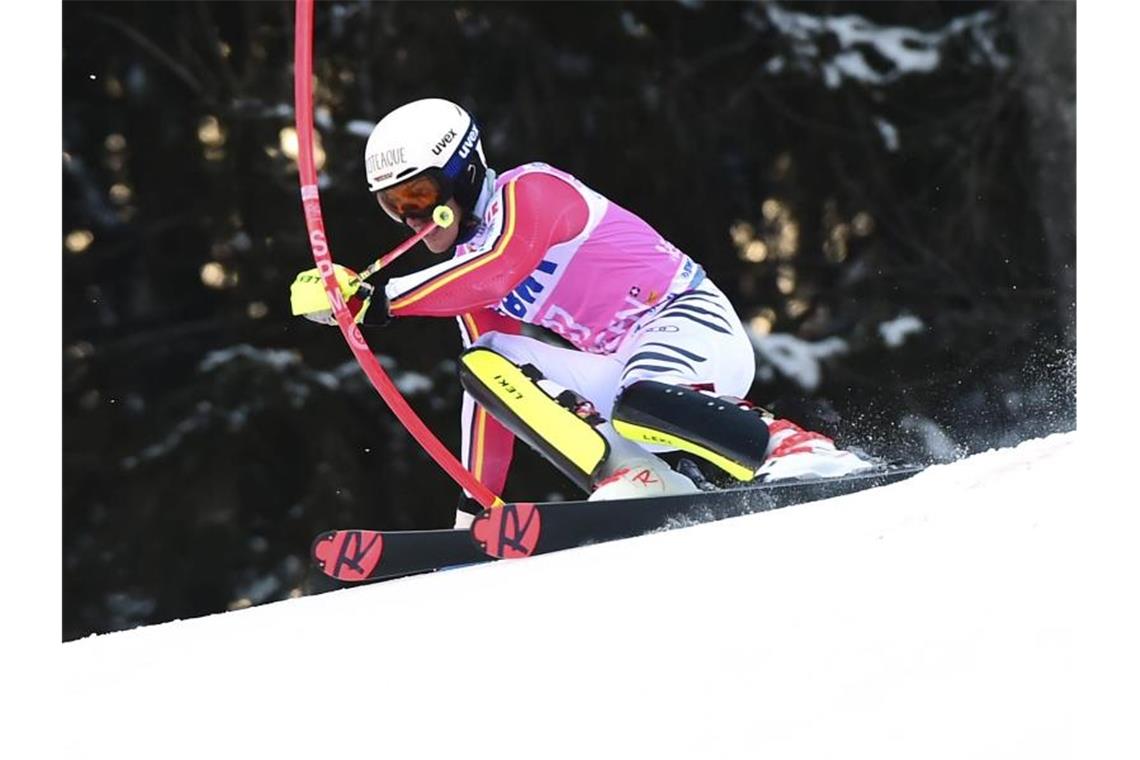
{"x": 642, "y": 478}
{"x": 796, "y": 453}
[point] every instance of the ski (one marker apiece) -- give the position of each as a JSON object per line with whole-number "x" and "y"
{"x": 361, "y": 555}
{"x": 525, "y": 528}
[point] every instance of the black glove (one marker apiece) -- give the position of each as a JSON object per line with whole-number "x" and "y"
{"x": 377, "y": 315}
{"x": 468, "y": 505}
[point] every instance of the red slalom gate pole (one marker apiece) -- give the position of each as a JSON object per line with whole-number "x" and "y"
{"x": 318, "y": 241}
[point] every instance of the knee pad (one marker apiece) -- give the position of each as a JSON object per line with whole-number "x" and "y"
{"x": 715, "y": 429}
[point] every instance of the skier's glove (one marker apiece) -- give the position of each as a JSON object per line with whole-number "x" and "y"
{"x": 308, "y": 298}
{"x": 468, "y": 505}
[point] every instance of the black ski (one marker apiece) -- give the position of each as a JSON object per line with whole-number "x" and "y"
{"x": 360, "y": 555}
{"x": 524, "y": 529}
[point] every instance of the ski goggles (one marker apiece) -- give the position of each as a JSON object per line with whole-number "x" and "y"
{"x": 415, "y": 198}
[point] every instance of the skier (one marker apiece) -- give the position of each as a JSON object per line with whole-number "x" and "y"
{"x": 657, "y": 358}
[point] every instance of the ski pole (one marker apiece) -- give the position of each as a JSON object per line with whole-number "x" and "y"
{"x": 442, "y": 216}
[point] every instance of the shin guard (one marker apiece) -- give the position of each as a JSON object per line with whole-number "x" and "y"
{"x": 556, "y": 422}
{"x": 714, "y": 429}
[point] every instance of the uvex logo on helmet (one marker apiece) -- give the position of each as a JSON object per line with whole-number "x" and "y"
{"x": 469, "y": 143}
{"x": 444, "y": 142}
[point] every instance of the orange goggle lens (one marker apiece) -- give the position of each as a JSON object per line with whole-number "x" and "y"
{"x": 415, "y": 198}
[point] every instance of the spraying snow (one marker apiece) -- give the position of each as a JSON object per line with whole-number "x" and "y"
{"x": 920, "y": 619}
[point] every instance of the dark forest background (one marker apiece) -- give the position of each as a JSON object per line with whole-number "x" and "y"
{"x": 885, "y": 190}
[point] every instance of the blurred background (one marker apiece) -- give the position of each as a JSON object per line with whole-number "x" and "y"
{"x": 886, "y": 191}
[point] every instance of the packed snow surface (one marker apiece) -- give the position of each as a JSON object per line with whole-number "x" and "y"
{"x": 924, "y": 619}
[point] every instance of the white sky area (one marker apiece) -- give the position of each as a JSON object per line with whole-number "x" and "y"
{"x": 546, "y": 687}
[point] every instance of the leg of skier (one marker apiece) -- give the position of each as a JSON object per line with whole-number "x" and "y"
{"x": 693, "y": 341}
{"x": 584, "y": 385}
{"x": 675, "y": 365}
{"x": 685, "y": 369}
{"x": 675, "y": 383}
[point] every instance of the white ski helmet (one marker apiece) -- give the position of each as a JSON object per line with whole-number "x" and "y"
{"x": 421, "y": 155}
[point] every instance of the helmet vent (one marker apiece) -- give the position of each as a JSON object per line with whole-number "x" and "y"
{"x": 406, "y": 172}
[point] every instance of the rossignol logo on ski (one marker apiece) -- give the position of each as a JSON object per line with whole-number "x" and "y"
{"x": 348, "y": 555}
{"x": 508, "y": 532}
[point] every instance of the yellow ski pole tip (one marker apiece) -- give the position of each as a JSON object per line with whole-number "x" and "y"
{"x": 443, "y": 216}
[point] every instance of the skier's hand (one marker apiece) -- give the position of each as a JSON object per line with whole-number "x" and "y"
{"x": 308, "y": 298}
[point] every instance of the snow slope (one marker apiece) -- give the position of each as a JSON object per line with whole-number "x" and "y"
{"x": 923, "y": 619}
